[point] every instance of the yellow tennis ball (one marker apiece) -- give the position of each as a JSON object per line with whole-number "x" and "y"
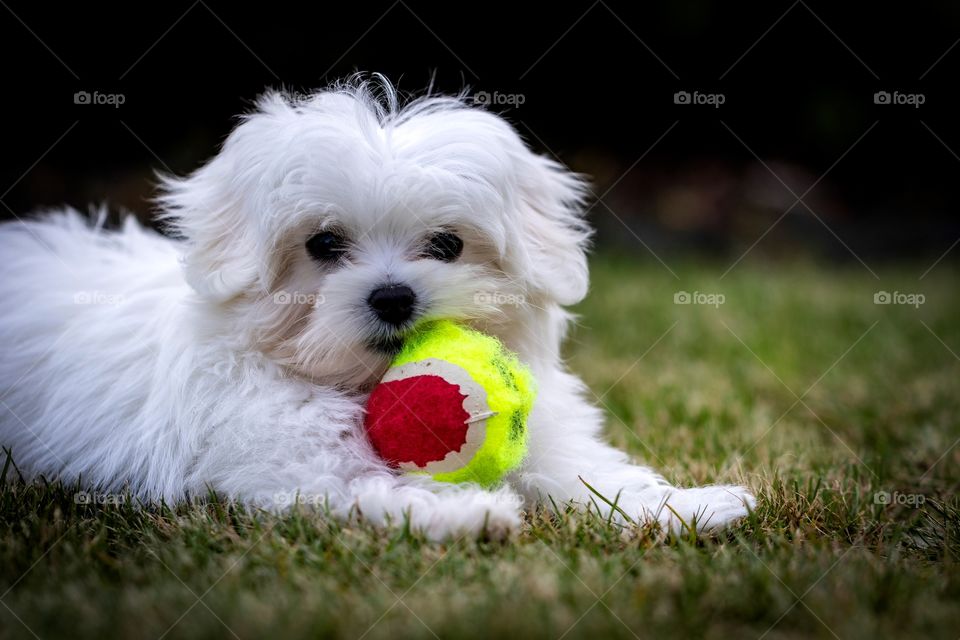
{"x": 454, "y": 404}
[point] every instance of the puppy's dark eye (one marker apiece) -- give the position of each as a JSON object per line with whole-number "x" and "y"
{"x": 326, "y": 246}
{"x": 446, "y": 246}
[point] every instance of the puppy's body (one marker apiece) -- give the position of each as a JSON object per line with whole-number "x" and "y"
{"x": 237, "y": 359}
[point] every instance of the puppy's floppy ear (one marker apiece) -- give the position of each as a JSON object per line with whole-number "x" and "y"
{"x": 554, "y": 237}
{"x": 220, "y": 253}
{"x": 219, "y": 209}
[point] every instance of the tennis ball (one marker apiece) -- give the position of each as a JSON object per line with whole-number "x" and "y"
{"x": 454, "y": 405}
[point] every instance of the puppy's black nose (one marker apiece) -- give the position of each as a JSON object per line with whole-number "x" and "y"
{"x": 393, "y": 303}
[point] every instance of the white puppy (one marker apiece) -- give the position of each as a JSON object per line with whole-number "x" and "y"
{"x": 236, "y": 358}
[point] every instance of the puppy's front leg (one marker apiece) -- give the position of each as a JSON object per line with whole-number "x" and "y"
{"x": 566, "y": 445}
{"x": 313, "y": 450}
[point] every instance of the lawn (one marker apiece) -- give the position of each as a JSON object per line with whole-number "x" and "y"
{"x": 841, "y": 414}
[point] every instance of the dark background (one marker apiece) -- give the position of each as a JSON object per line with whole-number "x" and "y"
{"x": 597, "y": 83}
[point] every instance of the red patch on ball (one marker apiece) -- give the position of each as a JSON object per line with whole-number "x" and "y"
{"x": 419, "y": 419}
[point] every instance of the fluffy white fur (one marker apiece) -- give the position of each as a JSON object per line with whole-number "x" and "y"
{"x": 229, "y": 360}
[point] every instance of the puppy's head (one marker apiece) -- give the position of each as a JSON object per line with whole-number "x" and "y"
{"x": 328, "y": 226}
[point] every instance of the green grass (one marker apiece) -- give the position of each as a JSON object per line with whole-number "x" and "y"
{"x": 713, "y": 401}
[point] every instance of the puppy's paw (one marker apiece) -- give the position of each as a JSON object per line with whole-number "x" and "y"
{"x": 494, "y": 523}
{"x": 500, "y": 524}
{"x": 704, "y": 508}
{"x": 467, "y": 514}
